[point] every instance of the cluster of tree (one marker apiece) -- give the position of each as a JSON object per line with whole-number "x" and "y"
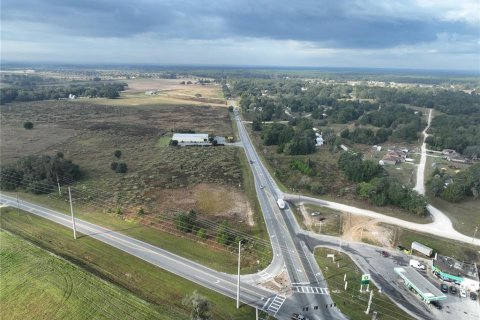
{"x": 306, "y": 167}
{"x": 391, "y": 116}
{"x": 201, "y": 307}
{"x": 102, "y": 90}
{"x": 366, "y": 135}
{"x": 377, "y": 188}
{"x": 118, "y": 167}
{"x": 300, "y": 140}
{"x": 458, "y": 132}
{"x": 454, "y": 189}
{"x": 185, "y": 222}
{"x": 383, "y": 191}
{"x": 446, "y": 101}
{"x": 38, "y": 174}
{"x": 345, "y": 111}
{"x": 356, "y": 169}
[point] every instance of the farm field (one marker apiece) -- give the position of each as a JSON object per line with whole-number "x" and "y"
{"x": 38, "y": 285}
{"x": 159, "y": 288}
{"x": 155, "y": 91}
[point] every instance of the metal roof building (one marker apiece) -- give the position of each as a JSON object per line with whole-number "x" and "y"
{"x": 191, "y": 139}
{"x": 414, "y": 280}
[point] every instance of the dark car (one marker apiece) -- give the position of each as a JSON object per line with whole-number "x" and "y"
{"x": 453, "y": 290}
{"x": 385, "y": 254}
{"x": 437, "y": 305}
{"x": 473, "y": 296}
{"x": 444, "y": 288}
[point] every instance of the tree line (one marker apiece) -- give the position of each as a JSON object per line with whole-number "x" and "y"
{"x": 376, "y": 187}
{"x": 455, "y": 189}
{"x": 38, "y": 174}
{"x": 94, "y": 90}
{"x": 295, "y": 138}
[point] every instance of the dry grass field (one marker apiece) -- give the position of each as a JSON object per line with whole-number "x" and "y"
{"x": 159, "y": 177}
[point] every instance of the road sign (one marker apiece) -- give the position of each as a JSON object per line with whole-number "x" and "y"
{"x": 365, "y": 279}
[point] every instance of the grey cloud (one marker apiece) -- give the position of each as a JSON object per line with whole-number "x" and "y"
{"x": 323, "y": 22}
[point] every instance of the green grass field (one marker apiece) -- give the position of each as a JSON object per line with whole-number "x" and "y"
{"x": 38, "y": 285}
{"x": 218, "y": 259}
{"x": 352, "y": 303}
{"x": 458, "y": 250}
{"x": 146, "y": 281}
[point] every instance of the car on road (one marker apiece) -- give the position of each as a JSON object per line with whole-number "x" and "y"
{"x": 437, "y": 305}
{"x": 296, "y": 316}
{"x": 444, "y": 288}
{"x": 262, "y": 187}
{"x": 453, "y": 290}
{"x": 463, "y": 293}
{"x": 473, "y": 296}
{"x": 385, "y": 254}
{"x": 251, "y": 161}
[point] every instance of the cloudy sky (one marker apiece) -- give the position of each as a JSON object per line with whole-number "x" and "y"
{"x": 427, "y": 34}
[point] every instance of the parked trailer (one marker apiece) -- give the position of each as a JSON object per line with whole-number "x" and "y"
{"x": 422, "y": 248}
{"x": 281, "y": 203}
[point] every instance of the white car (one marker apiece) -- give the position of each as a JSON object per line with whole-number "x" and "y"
{"x": 463, "y": 293}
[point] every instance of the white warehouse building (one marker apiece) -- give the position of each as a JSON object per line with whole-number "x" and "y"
{"x": 191, "y": 139}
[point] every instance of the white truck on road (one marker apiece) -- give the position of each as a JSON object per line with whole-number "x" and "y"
{"x": 417, "y": 264}
{"x": 281, "y": 203}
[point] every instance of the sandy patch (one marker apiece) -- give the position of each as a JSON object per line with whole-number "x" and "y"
{"x": 358, "y": 228}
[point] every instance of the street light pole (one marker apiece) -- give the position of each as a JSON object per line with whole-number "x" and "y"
{"x": 71, "y": 211}
{"x": 238, "y": 278}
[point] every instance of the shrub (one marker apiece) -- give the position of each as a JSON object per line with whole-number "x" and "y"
{"x": 28, "y": 125}
{"x": 117, "y": 154}
{"x": 114, "y": 166}
{"x": 121, "y": 168}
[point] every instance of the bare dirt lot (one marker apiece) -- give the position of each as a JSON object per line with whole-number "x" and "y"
{"x": 159, "y": 177}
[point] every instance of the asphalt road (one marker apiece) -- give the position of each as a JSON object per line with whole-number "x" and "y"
{"x": 299, "y": 262}
{"x": 220, "y": 282}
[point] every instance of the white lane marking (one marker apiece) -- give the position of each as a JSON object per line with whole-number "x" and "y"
{"x": 309, "y": 289}
{"x": 266, "y": 302}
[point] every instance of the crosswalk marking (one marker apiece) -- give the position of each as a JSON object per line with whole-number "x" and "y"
{"x": 309, "y": 289}
{"x": 276, "y": 304}
{"x": 265, "y": 275}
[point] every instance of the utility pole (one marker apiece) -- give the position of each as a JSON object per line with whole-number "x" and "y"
{"x": 340, "y": 236}
{"x": 59, "y": 190}
{"x": 256, "y": 313}
{"x": 238, "y": 278}
{"x": 18, "y": 202}
{"x": 369, "y": 302}
{"x": 71, "y": 211}
{"x": 473, "y": 238}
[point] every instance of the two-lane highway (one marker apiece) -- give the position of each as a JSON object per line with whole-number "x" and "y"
{"x": 220, "y": 282}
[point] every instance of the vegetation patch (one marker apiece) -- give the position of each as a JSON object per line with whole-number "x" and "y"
{"x": 136, "y": 275}
{"x": 38, "y": 285}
